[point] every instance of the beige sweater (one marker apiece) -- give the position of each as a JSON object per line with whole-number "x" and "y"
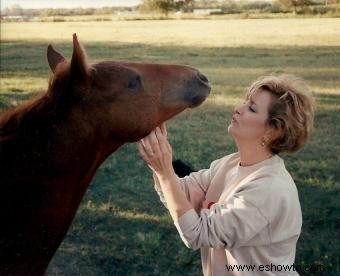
{"x": 255, "y": 219}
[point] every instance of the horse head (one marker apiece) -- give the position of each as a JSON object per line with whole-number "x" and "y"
{"x": 126, "y": 100}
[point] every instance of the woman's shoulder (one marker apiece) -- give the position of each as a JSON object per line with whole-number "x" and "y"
{"x": 276, "y": 173}
{"x": 270, "y": 183}
{"x": 270, "y": 168}
{"x": 273, "y": 196}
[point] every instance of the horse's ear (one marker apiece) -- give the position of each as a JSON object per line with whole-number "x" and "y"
{"x": 79, "y": 68}
{"x": 54, "y": 58}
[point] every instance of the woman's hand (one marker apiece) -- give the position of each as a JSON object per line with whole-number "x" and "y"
{"x": 157, "y": 152}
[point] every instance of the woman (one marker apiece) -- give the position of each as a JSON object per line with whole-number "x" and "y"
{"x": 244, "y": 209}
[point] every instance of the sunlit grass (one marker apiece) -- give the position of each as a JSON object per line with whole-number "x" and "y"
{"x": 23, "y": 84}
{"x": 201, "y": 33}
{"x": 110, "y": 207}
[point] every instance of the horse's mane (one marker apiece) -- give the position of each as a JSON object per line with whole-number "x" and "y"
{"x": 44, "y": 108}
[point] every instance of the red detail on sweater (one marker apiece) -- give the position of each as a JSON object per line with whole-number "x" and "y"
{"x": 210, "y": 203}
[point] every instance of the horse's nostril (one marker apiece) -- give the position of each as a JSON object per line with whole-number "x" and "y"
{"x": 202, "y": 77}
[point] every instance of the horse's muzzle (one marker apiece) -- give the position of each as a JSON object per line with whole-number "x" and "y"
{"x": 199, "y": 90}
{"x": 202, "y": 78}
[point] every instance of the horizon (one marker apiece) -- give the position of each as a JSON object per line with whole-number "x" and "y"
{"x": 69, "y": 4}
{"x": 41, "y": 4}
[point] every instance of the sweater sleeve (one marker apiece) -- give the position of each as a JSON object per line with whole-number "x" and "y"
{"x": 194, "y": 185}
{"x": 228, "y": 225}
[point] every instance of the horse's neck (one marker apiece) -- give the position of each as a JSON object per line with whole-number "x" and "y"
{"x": 51, "y": 172}
{"x": 79, "y": 150}
{"x": 62, "y": 158}
{"x": 43, "y": 202}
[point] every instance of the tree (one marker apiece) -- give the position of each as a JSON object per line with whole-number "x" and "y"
{"x": 184, "y": 5}
{"x": 294, "y": 3}
{"x": 165, "y": 6}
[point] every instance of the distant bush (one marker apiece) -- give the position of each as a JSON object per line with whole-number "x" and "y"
{"x": 231, "y": 9}
{"x": 315, "y": 10}
{"x": 101, "y": 19}
{"x": 66, "y": 12}
{"x": 274, "y": 7}
{"x": 217, "y": 12}
{"x": 322, "y": 9}
{"x": 251, "y": 7}
{"x": 82, "y": 11}
{"x": 256, "y": 5}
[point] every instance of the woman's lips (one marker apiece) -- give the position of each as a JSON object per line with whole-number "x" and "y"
{"x": 233, "y": 119}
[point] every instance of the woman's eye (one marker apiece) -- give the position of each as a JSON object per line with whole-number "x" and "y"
{"x": 134, "y": 83}
{"x": 251, "y": 109}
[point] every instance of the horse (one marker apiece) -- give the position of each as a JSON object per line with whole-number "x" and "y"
{"x": 51, "y": 147}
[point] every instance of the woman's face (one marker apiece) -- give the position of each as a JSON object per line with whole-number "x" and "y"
{"x": 248, "y": 124}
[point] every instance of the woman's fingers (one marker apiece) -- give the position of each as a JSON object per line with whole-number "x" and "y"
{"x": 161, "y": 140}
{"x": 165, "y": 133}
{"x": 147, "y": 146}
{"x": 168, "y": 146}
{"x": 156, "y": 151}
{"x": 151, "y": 144}
{"x": 142, "y": 151}
{"x": 163, "y": 129}
{"x": 145, "y": 156}
{"x": 154, "y": 142}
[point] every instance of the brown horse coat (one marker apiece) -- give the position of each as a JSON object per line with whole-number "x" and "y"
{"x": 51, "y": 147}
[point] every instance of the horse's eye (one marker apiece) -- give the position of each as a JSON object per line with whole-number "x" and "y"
{"x": 134, "y": 83}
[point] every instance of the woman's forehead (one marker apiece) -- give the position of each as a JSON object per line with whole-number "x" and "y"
{"x": 256, "y": 93}
{"x": 261, "y": 97}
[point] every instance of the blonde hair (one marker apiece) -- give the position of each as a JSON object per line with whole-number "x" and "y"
{"x": 291, "y": 112}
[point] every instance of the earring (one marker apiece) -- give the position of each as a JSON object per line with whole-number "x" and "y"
{"x": 263, "y": 144}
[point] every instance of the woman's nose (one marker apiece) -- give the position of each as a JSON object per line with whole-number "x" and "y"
{"x": 237, "y": 110}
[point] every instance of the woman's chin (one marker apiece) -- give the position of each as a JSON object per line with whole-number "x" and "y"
{"x": 230, "y": 128}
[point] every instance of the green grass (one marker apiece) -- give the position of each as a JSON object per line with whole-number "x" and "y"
{"x": 121, "y": 228}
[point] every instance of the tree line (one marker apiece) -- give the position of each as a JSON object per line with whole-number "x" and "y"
{"x": 188, "y": 6}
{"x": 232, "y": 6}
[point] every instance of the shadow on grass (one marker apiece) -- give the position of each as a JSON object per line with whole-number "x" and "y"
{"x": 105, "y": 244}
{"x": 32, "y": 57}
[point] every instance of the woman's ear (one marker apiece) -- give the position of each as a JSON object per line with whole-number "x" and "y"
{"x": 271, "y": 134}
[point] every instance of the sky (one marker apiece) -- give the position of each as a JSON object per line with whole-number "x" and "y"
{"x": 35, "y": 4}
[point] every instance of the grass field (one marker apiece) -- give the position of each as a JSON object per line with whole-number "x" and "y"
{"x": 121, "y": 228}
